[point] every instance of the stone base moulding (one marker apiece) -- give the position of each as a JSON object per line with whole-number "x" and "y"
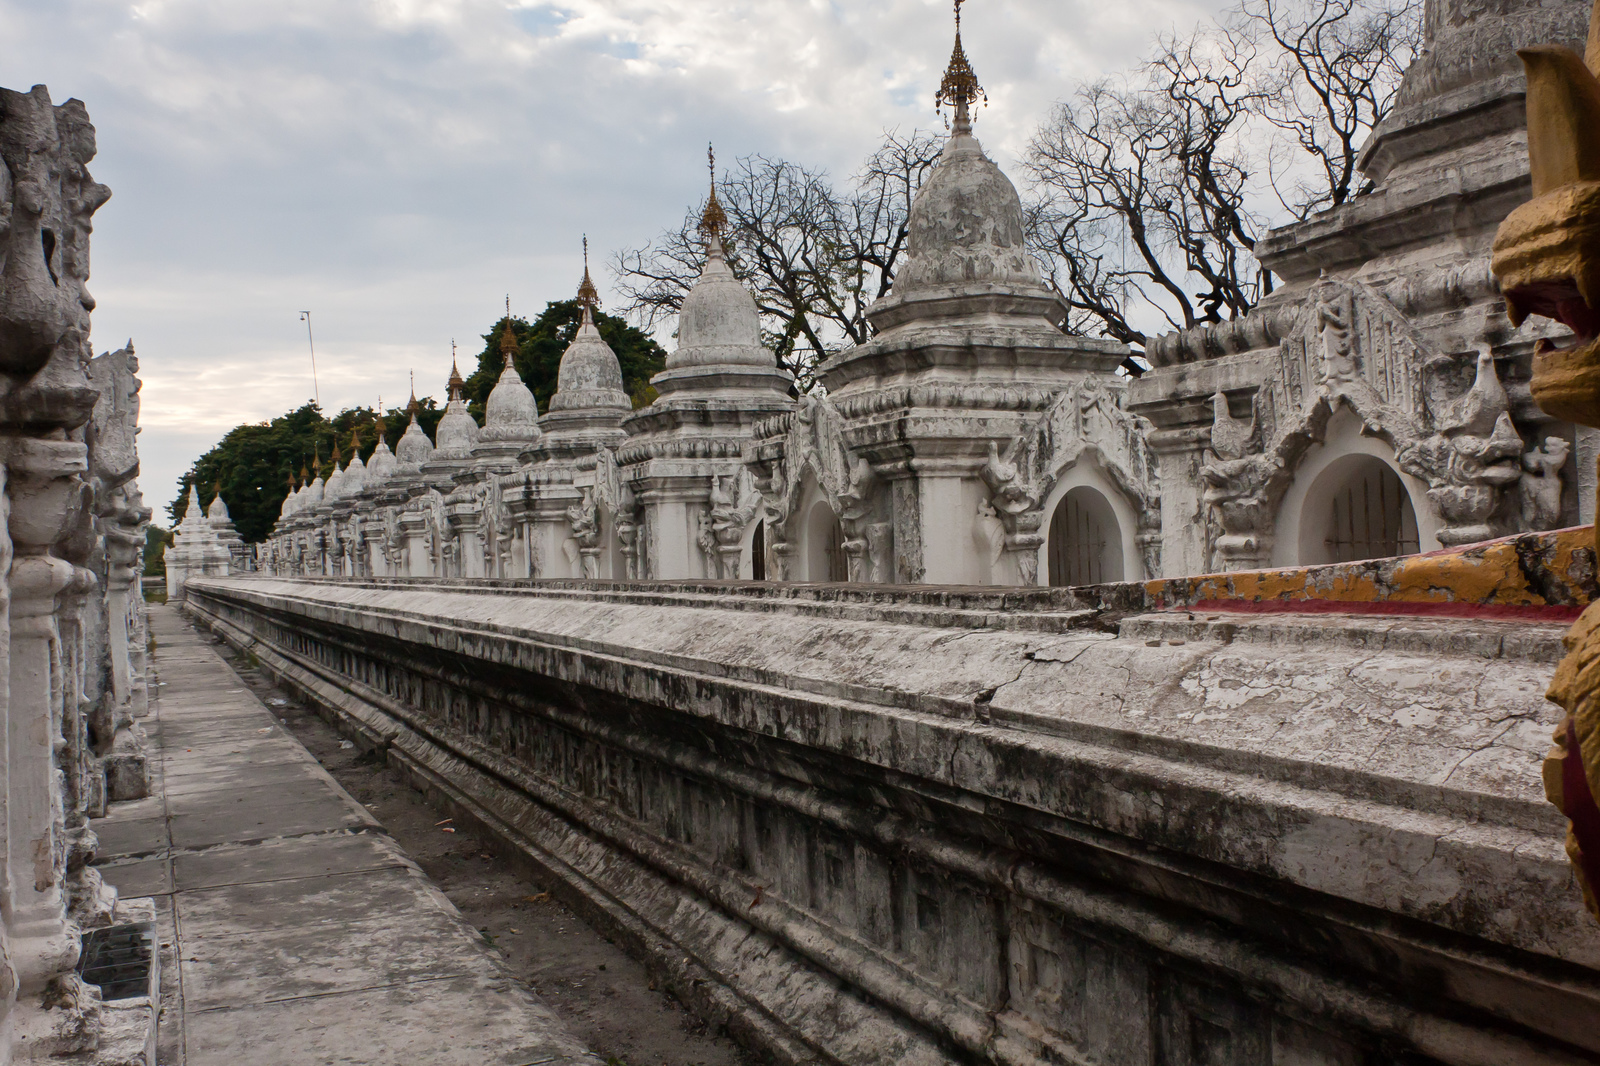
{"x": 845, "y": 866}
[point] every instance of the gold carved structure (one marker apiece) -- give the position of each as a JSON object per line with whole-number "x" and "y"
{"x": 1547, "y": 259}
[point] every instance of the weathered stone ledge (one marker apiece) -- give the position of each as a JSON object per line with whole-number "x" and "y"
{"x": 1352, "y": 832}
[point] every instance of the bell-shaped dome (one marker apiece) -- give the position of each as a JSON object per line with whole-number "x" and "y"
{"x": 334, "y": 489}
{"x": 590, "y": 376}
{"x": 414, "y": 448}
{"x": 457, "y": 432}
{"x": 512, "y": 413}
{"x": 382, "y": 464}
{"x": 966, "y": 224}
{"x": 355, "y": 476}
{"x": 314, "y": 493}
{"x": 218, "y": 511}
{"x": 718, "y": 324}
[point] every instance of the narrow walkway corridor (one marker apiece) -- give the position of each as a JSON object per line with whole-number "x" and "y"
{"x": 294, "y": 930}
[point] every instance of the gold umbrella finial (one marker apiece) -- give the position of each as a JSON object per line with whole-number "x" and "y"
{"x": 960, "y": 88}
{"x": 508, "y": 340}
{"x": 455, "y": 384}
{"x": 588, "y": 295}
{"x": 715, "y": 219}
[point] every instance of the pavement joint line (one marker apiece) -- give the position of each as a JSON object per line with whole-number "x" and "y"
{"x": 329, "y": 995}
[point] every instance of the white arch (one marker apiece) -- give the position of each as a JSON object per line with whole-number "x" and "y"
{"x": 1083, "y": 471}
{"x": 1343, "y": 437}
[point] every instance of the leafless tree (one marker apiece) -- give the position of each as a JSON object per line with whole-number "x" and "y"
{"x": 1331, "y": 73}
{"x": 1151, "y": 191}
{"x": 814, "y": 258}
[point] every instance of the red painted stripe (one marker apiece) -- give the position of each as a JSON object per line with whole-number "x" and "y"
{"x": 1507, "y": 612}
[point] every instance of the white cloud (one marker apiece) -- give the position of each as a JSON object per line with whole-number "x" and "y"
{"x": 398, "y": 166}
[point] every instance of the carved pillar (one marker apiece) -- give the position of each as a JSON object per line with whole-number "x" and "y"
{"x": 43, "y": 476}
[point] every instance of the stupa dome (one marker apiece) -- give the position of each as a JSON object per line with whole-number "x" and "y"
{"x": 382, "y": 464}
{"x": 590, "y": 378}
{"x": 218, "y": 511}
{"x": 334, "y": 488}
{"x": 718, "y": 324}
{"x": 457, "y": 431}
{"x": 512, "y": 413}
{"x": 966, "y": 224}
{"x": 414, "y": 447}
{"x": 355, "y": 475}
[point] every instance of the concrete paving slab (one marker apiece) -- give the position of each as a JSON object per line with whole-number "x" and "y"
{"x": 460, "y": 1021}
{"x": 265, "y": 822}
{"x": 306, "y": 789}
{"x": 326, "y": 943}
{"x": 282, "y": 860}
{"x": 140, "y": 877}
{"x": 136, "y": 836}
{"x": 222, "y": 781}
{"x": 334, "y": 899}
{"x": 266, "y": 967}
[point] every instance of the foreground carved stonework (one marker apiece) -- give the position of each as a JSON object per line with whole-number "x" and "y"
{"x": 71, "y": 548}
{"x": 1547, "y": 256}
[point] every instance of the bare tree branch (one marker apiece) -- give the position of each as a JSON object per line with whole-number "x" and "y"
{"x": 814, "y": 259}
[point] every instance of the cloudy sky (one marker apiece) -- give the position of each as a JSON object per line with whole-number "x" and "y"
{"x": 399, "y": 166}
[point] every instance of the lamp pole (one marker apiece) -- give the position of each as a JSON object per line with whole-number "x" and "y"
{"x": 305, "y": 316}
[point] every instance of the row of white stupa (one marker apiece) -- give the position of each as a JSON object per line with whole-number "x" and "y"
{"x": 720, "y": 357}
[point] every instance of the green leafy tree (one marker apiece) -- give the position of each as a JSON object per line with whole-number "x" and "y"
{"x": 253, "y": 464}
{"x": 541, "y": 343}
{"x": 156, "y": 540}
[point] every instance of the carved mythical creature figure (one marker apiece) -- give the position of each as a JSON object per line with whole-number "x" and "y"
{"x": 1547, "y": 257}
{"x": 584, "y": 517}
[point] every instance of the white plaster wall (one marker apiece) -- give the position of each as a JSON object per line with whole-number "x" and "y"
{"x": 1586, "y": 453}
{"x": 950, "y": 508}
{"x": 1344, "y": 438}
{"x": 1085, "y": 472}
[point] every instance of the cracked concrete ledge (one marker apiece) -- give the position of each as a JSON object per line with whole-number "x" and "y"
{"x": 1376, "y": 788}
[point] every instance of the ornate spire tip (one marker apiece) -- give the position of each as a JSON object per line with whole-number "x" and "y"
{"x": 588, "y": 295}
{"x": 715, "y": 219}
{"x": 960, "y": 87}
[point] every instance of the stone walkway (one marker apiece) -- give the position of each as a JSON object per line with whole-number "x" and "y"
{"x": 294, "y": 929}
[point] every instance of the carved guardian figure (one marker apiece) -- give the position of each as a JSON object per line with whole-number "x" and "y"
{"x": 1547, "y": 257}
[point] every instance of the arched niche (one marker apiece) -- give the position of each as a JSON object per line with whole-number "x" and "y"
{"x": 1350, "y": 500}
{"x": 1085, "y": 473}
{"x": 824, "y": 546}
{"x": 1084, "y": 543}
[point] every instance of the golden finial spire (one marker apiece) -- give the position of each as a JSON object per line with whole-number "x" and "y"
{"x": 305, "y": 474}
{"x": 336, "y": 455}
{"x": 508, "y": 340}
{"x": 411, "y": 408}
{"x": 455, "y": 384}
{"x": 292, "y": 486}
{"x": 381, "y": 427}
{"x": 316, "y": 460}
{"x": 960, "y": 88}
{"x": 715, "y": 219}
{"x": 588, "y": 295}
{"x": 355, "y": 441}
